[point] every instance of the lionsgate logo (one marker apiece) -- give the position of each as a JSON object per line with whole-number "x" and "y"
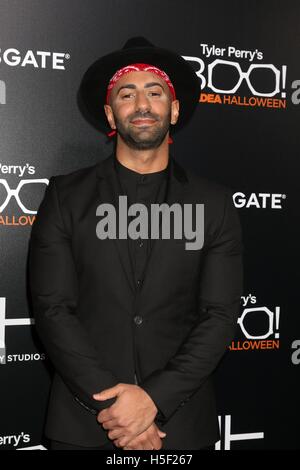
{"x": 36, "y": 59}
{"x": 12, "y": 57}
{"x": 259, "y": 200}
{"x": 114, "y": 223}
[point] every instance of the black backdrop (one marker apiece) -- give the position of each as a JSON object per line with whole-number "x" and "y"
{"x": 246, "y": 135}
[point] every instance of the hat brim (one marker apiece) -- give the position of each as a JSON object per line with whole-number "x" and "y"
{"x": 91, "y": 95}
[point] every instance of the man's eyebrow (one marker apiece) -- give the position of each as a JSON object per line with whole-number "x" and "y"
{"x": 132, "y": 86}
{"x": 148, "y": 85}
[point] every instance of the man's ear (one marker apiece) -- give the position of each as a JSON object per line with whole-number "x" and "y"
{"x": 110, "y": 116}
{"x": 174, "y": 111}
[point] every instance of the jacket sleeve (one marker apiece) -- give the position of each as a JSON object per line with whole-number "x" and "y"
{"x": 54, "y": 294}
{"x": 220, "y": 290}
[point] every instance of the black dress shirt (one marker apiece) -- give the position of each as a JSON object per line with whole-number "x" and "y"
{"x": 148, "y": 188}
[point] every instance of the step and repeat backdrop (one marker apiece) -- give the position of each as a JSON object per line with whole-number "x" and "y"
{"x": 245, "y": 134}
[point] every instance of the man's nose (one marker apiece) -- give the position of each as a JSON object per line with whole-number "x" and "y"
{"x": 142, "y": 102}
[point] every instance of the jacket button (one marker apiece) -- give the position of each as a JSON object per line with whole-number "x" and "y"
{"x": 138, "y": 320}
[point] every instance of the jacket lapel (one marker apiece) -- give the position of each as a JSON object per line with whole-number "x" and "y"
{"x": 109, "y": 191}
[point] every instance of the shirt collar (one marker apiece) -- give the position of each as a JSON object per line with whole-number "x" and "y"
{"x": 137, "y": 177}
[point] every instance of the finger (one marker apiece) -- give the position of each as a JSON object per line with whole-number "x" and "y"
{"x": 131, "y": 445}
{"x": 153, "y": 441}
{"x": 104, "y": 415}
{"x": 116, "y": 433}
{"x": 110, "y": 424}
{"x": 123, "y": 441}
{"x": 107, "y": 414}
{"x": 157, "y": 443}
{"x": 116, "y": 443}
{"x": 108, "y": 393}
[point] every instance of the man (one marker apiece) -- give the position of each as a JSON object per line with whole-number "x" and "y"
{"x": 134, "y": 325}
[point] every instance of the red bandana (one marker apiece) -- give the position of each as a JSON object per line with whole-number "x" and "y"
{"x": 139, "y": 68}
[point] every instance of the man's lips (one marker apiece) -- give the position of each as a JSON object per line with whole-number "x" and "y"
{"x": 143, "y": 122}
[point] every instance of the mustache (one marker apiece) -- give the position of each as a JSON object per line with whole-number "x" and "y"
{"x": 143, "y": 116}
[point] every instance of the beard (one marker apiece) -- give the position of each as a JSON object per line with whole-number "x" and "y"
{"x": 144, "y": 139}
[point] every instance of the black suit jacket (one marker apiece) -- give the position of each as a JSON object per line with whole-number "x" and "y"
{"x": 98, "y": 331}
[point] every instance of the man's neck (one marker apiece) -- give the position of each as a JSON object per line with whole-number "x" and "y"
{"x": 143, "y": 161}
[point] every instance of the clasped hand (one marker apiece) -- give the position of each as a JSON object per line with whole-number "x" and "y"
{"x": 130, "y": 420}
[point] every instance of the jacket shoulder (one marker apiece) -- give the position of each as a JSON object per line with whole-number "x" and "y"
{"x": 74, "y": 179}
{"x": 217, "y": 199}
{"x": 207, "y": 188}
{"x": 72, "y": 187}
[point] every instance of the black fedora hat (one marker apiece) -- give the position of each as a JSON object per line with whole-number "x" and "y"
{"x": 91, "y": 94}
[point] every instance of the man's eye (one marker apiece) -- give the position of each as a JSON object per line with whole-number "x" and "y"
{"x": 152, "y": 93}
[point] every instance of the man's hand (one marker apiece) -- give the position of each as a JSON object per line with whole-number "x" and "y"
{"x": 131, "y": 414}
{"x": 147, "y": 440}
